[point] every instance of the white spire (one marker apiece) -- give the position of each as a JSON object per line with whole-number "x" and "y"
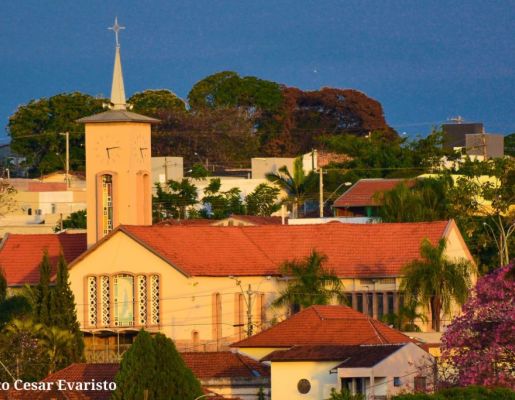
{"x": 117, "y": 89}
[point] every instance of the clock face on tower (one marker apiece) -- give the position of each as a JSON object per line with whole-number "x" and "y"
{"x": 140, "y": 151}
{"x": 108, "y": 150}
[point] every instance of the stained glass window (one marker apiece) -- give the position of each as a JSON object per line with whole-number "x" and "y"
{"x": 142, "y": 299}
{"x": 154, "y": 299}
{"x": 107, "y": 204}
{"x": 123, "y": 288}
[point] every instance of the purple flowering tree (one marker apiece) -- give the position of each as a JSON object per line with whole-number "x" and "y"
{"x": 479, "y": 345}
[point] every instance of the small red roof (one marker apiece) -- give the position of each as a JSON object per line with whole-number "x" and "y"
{"x": 224, "y": 364}
{"x": 20, "y": 255}
{"x": 361, "y": 194}
{"x": 47, "y": 187}
{"x": 325, "y": 325}
{"x": 353, "y": 250}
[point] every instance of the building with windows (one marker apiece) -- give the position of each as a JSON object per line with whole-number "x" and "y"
{"x": 334, "y": 347}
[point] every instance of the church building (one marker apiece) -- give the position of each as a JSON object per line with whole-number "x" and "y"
{"x": 203, "y": 286}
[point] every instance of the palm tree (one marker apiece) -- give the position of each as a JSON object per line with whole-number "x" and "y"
{"x": 57, "y": 343}
{"x": 294, "y": 185}
{"x": 309, "y": 284}
{"x": 436, "y": 280}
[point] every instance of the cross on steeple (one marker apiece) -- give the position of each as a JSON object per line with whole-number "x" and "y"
{"x": 116, "y": 28}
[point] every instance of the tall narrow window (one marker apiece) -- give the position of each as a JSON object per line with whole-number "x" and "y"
{"x": 359, "y": 302}
{"x": 239, "y": 306}
{"x": 260, "y": 312}
{"x": 348, "y": 299}
{"x": 217, "y": 317}
{"x": 105, "y": 305}
{"x": 390, "y": 303}
{"x": 92, "y": 300}
{"x": 142, "y": 299}
{"x": 370, "y": 304}
{"x": 107, "y": 204}
{"x": 195, "y": 339}
{"x": 123, "y": 300}
{"x": 380, "y": 305}
{"x": 155, "y": 289}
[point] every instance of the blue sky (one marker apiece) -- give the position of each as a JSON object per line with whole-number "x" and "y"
{"x": 425, "y": 61}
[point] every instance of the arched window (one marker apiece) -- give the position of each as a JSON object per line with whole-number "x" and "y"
{"x": 239, "y": 306}
{"x": 105, "y": 305}
{"x": 123, "y": 290}
{"x": 195, "y": 339}
{"x": 217, "y": 317}
{"x": 106, "y": 202}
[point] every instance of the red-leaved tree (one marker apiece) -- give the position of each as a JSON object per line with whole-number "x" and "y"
{"x": 480, "y": 344}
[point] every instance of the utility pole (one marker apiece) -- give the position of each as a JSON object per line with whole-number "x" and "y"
{"x": 67, "y": 178}
{"x": 249, "y": 311}
{"x": 321, "y": 192}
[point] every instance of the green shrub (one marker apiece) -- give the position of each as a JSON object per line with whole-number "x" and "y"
{"x": 463, "y": 393}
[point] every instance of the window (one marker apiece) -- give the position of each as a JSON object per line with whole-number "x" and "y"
{"x": 260, "y": 312}
{"x": 390, "y": 303}
{"x": 105, "y": 301}
{"x": 359, "y": 302}
{"x": 360, "y": 385}
{"x": 396, "y": 381}
{"x": 92, "y": 300}
{"x": 217, "y": 316}
{"x": 303, "y": 386}
{"x": 380, "y": 305}
{"x": 419, "y": 384}
{"x": 107, "y": 204}
{"x": 142, "y": 299}
{"x": 348, "y": 298}
{"x": 239, "y": 305}
{"x": 195, "y": 339}
{"x": 370, "y": 304}
{"x": 155, "y": 289}
{"x": 123, "y": 288}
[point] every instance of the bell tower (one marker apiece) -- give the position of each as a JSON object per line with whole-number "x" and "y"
{"x": 118, "y": 163}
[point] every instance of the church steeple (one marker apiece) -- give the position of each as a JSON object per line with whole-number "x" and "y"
{"x": 117, "y": 88}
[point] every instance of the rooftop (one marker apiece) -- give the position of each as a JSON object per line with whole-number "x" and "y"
{"x": 358, "y": 356}
{"x": 361, "y": 194}
{"x": 20, "y": 255}
{"x": 324, "y": 326}
{"x": 353, "y": 250}
{"x": 117, "y": 116}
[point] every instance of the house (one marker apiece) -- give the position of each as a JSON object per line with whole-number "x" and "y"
{"x": 360, "y": 199}
{"x": 229, "y": 374}
{"x": 20, "y": 255}
{"x": 325, "y": 347}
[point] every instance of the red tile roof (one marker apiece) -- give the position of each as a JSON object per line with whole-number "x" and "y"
{"x": 325, "y": 325}
{"x": 20, "y": 255}
{"x": 47, "y": 187}
{"x": 224, "y": 364}
{"x": 258, "y": 220}
{"x": 362, "y": 193}
{"x": 352, "y": 356}
{"x": 353, "y": 250}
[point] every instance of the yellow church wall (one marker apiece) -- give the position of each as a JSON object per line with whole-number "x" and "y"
{"x": 122, "y": 149}
{"x": 200, "y": 313}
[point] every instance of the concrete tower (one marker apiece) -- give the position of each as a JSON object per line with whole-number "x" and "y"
{"x": 118, "y": 163}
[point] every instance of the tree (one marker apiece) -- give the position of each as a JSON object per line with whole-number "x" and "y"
{"x": 34, "y": 129}
{"x": 175, "y": 200}
{"x": 153, "y": 365}
{"x": 263, "y": 200}
{"x": 219, "y": 204}
{"x": 7, "y": 200}
{"x": 310, "y": 284}
{"x": 137, "y": 369}
{"x": 509, "y": 145}
{"x": 14, "y": 307}
{"x": 76, "y": 220}
{"x": 172, "y": 378}
{"x": 479, "y": 344}
{"x": 57, "y": 344}
{"x": 43, "y": 294}
{"x": 436, "y": 280}
{"x": 405, "y": 319}
{"x": 295, "y": 186}
{"x": 3, "y": 285}
{"x": 344, "y": 395}
{"x": 22, "y": 351}
{"x": 63, "y": 315}
{"x": 154, "y": 102}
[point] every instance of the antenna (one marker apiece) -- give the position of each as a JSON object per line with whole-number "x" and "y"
{"x": 458, "y": 119}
